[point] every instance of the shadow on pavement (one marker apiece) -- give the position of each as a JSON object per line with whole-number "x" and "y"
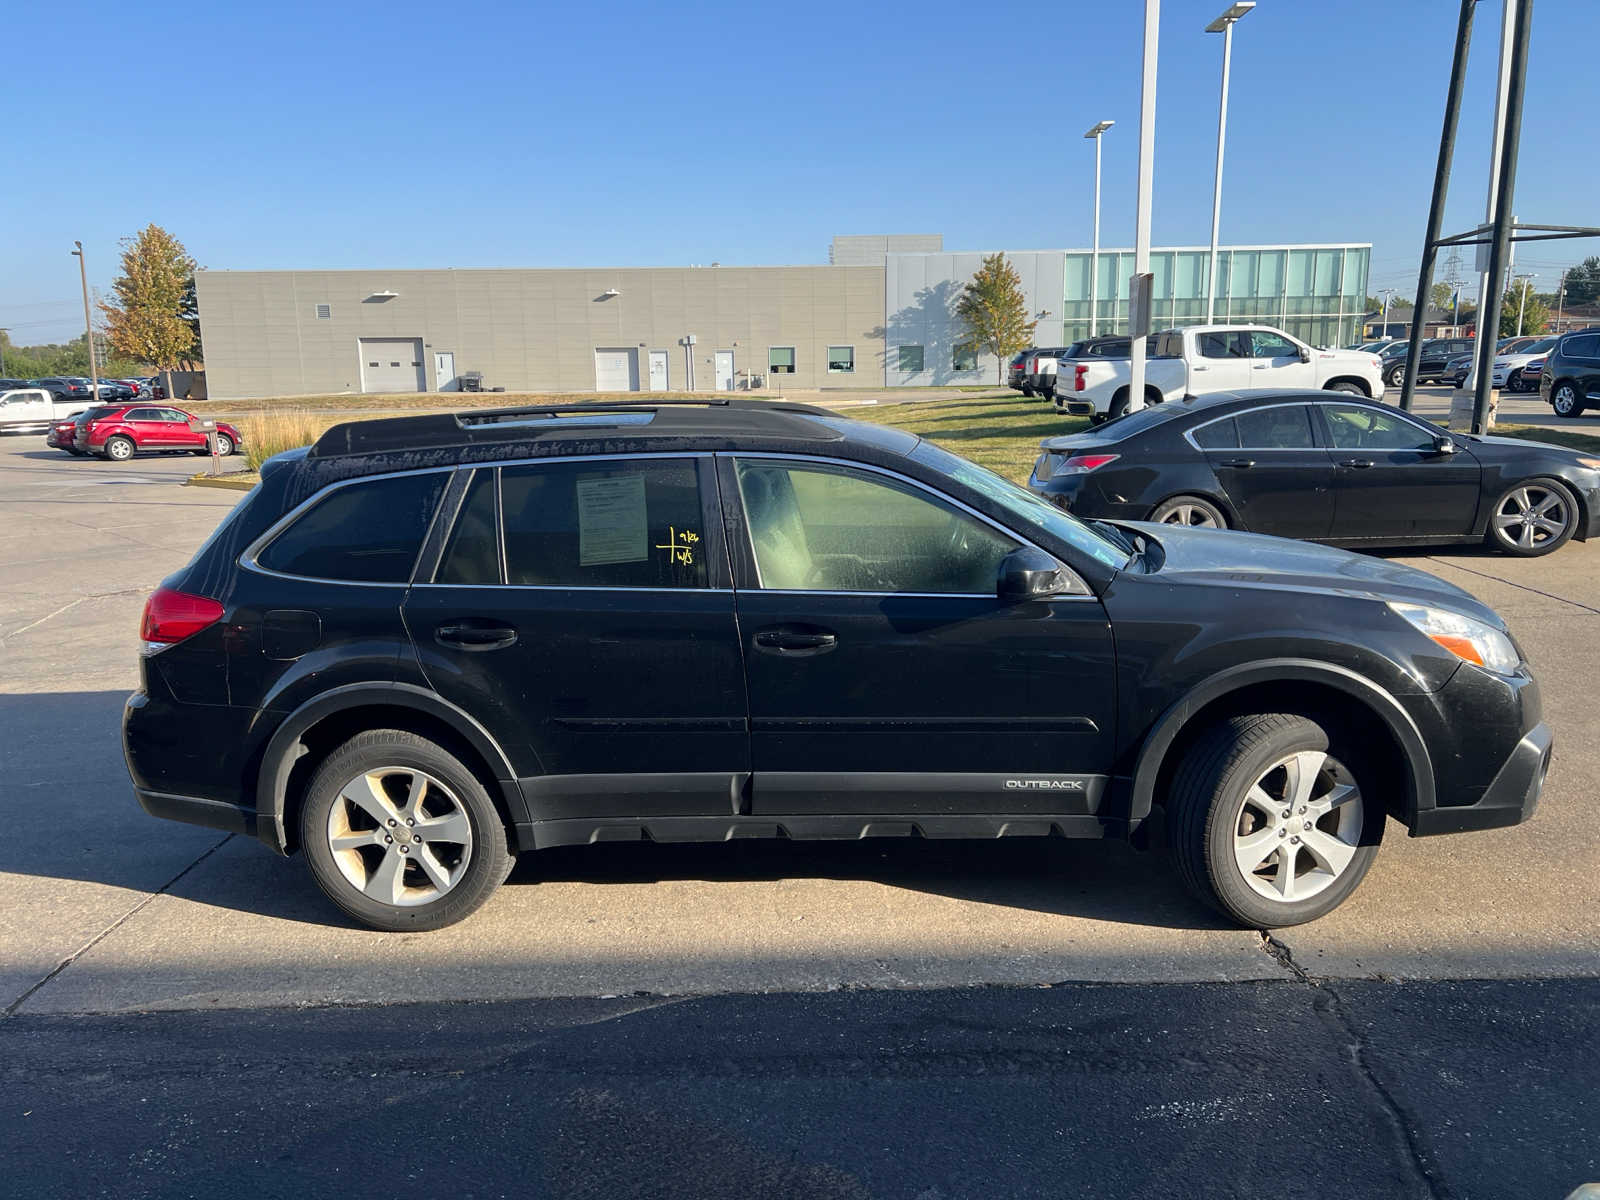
{"x": 60, "y": 752}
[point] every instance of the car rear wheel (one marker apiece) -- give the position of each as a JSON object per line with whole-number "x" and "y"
{"x": 119, "y": 448}
{"x": 400, "y": 834}
{"x": 1535, "y": 517}
{"x": 1191, "y": 511}
{"x": 1274, "y": 820}
{"x": 1027, "y": 390}
{"x": 1344, "y": 385}
{"x": 1566, "y": 401}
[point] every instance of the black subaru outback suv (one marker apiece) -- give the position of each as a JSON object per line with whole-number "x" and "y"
{"x": 425, "y": 644}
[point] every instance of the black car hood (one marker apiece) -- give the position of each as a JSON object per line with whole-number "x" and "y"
{"x": 1224, "y": 558}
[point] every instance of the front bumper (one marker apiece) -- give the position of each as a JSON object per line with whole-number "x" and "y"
{"x": 1510, "y": 798}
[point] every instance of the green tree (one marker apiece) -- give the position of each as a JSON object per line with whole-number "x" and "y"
{"x": 1535, "y": 316}
{"x": 147, "y": 320}
{"x": 1441, "y": 295}
{"x": 994, "y": 312}
{"x": 1583, "y": 282}
{"x": 196, "y": 355}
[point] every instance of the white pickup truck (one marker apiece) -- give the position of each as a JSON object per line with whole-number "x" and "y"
{"x": 1214, "y": 358}
{"x": 25, "y": 410}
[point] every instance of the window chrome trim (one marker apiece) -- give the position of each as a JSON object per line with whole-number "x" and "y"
{"x": 1086, "y": 594}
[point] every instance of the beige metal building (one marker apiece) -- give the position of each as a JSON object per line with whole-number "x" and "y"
{"x": 287, "y": 333}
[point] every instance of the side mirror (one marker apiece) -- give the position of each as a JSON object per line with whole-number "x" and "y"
{"x": 1028, "y": 573}
{"x": 1305, "y": 355}
{"x": 1443, "y": 443}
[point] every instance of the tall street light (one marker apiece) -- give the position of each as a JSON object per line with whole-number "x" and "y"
{"x": 88, "y": 325}
{"x": 1522, "y": 305}
{"x": 1094, "y": 263}
{"x": 1384, "y": 320}
{"x": 1223, "y": 25}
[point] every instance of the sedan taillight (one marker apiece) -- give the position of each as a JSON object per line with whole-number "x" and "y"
{"x": 1082, "y": 464}
{"x": 172, "y": 616}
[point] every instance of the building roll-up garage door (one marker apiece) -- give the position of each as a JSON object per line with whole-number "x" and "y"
{"x": 616, "y": 371}
{"x": 392, "y": 365}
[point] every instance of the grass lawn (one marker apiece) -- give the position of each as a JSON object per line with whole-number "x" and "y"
{"x": 1555, "y": 437}
{"x": 1000, "y": 430}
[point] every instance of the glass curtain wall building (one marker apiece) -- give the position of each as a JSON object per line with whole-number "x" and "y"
{"x": 1317, "y": 293}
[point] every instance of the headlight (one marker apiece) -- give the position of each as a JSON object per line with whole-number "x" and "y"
{"x": 1465, "y": 637}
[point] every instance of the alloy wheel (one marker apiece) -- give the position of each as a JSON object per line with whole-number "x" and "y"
{"x": 399, "y": 836}
{"x": 1191, "y": 515}
{"x": 1298, "y": 827}
{"x": 1565, "y": 400}
{"x": 1530, "y": 516}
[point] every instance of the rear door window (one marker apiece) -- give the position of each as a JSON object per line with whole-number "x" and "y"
{"x": 1282, "y": 427}
{"x": 364, "y": 532}
{"x": 1219, "y": 435}
{"x": 1587, "y": 346}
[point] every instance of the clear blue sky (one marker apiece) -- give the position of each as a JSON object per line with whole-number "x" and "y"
{"x": 412, "y": 134}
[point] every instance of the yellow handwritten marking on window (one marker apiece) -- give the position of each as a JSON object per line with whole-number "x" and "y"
{"x": 679, "y": 546}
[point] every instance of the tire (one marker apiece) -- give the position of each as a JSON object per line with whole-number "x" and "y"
{"x": 1119, "y": 404}
{"x": 1097, "y": 419}
{"x": 1344, "y": 385}
{"x": 74, "y": 451}
{"x": 224, "y": 445}
{"x": 1395, "y": 376}
{"x": 394, "y": 885}
{"x": 1191, "y": 512}
{"x": 1223, "y": 810}
{"x": 1555, "y": 512}
{"x": 1027, "y": 390}
{"x": 1566, "y": 401}
{"x": 119, "y": 448}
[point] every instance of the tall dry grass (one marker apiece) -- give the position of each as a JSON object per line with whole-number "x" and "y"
{"x": 276, "y": 430}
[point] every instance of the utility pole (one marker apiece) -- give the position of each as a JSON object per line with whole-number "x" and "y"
{"x": 88, "y": 325}
{"x": 1522, "y": 298}
{"x": 1561, "y": 294}
{"x": 1141, "y": 225}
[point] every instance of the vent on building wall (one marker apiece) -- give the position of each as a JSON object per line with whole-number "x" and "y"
{"x": 324, "y": 312}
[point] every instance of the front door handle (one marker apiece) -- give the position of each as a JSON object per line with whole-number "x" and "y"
{"x": 789, "y": 640}
{"x": 1238, "y": 463}
{"x": 1356, "y": 462}
{"x": 475, "y": 635}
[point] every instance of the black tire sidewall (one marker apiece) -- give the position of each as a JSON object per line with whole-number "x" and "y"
{"x": 487, "y": 868}
{"x": 1550, "y": 547}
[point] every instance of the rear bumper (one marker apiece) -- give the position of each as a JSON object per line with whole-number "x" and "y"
{"x": 1510, "y": 799}
{"x": 197, "y": 810}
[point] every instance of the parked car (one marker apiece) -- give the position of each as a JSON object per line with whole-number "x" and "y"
{"x": 154, "y": 389}
{"x": 1509, "y": 363}
{"x": 1570, "y": 380}
{"x": 1218, "y": 358}
{"x": 1039, "y": 371}
{"x": 1014, "y": 370}
{"x": 63, "y": 436}
{"x": 1433, "y": 365}
{"x": 120, "y": 431}
{"x": 583, "y": 625}
{"x": 67, "y": 387}
{"x": 1041, "y": 366}
{"x": 1528, "y": 376}
{"x": 1105, "y": 346}
{"x": 11, "y": 385}
{"x": 1337, "y": 469}
{"x": 27, "y": 410}
{"x": 1393, "y": 351}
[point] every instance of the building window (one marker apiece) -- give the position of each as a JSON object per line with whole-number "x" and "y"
{"x": 910, "y": 359}
{"x": 324, "y": 312}
{"x": 780, "y": 360}
{"x": 841, "y": 359}
{"x": 964, "y": 360}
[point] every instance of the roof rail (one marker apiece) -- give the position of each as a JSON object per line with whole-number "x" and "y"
{"x": 493, "y": 424}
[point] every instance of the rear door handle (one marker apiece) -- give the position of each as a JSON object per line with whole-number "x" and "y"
{"x": 1240, "y": 463}
{"x": 474, "y": 635}
{"x": 1356, "y": 462}
{"x": 796, "y": 641}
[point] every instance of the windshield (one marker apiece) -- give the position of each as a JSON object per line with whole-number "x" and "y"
{"x": 1022, "y": 504}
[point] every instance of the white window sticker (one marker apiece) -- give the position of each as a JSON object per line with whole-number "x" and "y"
{"x": 611, "y": 521}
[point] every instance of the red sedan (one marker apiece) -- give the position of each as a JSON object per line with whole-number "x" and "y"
{"x": 62, "y": 436}
{"x": 120, "y": 431}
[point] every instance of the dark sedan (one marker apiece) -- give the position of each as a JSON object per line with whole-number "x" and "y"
{"x": 1336, "y": 469}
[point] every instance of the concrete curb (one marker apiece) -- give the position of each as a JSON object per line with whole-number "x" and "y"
{"x": 220, "y": 481}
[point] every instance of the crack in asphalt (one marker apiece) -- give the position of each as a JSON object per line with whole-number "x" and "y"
{"x": 1512, "y": 583}
{"x": 11, "y": 1008}
{"x": 1329, "y": 1007}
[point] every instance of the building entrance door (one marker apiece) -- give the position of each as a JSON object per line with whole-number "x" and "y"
{"x": 658, "y": 370}
{"x": 724, "y": 370}
{"x": 444, "y": 370}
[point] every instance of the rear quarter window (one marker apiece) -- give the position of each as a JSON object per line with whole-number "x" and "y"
{"x": 365, "y": 532}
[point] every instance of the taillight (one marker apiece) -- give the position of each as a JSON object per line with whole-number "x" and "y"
{"x": 171, "y": 616}
{"x": 1078, "y": 372}
{"x": 1082, "y": 464}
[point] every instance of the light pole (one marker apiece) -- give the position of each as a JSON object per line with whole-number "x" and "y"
{"x": 88, "y": 325}
{"x": 1561, "y": 295}
{"x": 1223, "y": 25}
{"x": 1094, "y": 263}
{"x": 1384, "y": 320}
{"x": 1138, "y": 314}
{"x": 1522, "y": 299}
{"x": 3, "y": 329}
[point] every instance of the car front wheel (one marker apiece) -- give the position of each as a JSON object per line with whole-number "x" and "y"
{"x": 400, "y": 834}
{"x": 1271, "y": 821}
{"x": 1566, "y": 401}
{"x": 1535, "y": 517}
{"x": 1395, "y": 376}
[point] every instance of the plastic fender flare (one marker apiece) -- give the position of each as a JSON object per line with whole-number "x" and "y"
{"x": 1147, "y": 766}
{"x": 280, "y": 755}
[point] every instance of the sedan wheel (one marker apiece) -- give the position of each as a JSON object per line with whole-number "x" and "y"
{"x": 1191, "y": 511}
{"x": 1565, "y": 401}
{"x": 1533, "y": 519}
{"x": 1269, "y": 819}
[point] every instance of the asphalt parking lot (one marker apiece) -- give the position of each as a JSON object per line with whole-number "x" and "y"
{"x": 105, "y": 912}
